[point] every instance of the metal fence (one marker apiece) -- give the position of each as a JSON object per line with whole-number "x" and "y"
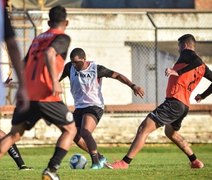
{"x": 140, "y": 45}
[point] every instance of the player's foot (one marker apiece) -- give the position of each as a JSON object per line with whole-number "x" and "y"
{"x": 25, "y": 168}
{"x": 48, "y": 175}
{"x": 97, "y": 166}
{"x": 102, "y": 161}
{"x": 117, "y": 165}
{"x": 197, "y": 164}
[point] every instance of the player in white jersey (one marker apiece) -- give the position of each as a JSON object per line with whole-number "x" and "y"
{"x": 7, "y": 35}
{"x": 86, "y": 80}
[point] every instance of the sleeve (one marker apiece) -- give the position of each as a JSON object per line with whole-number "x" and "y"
{"x": 207, "y": 75}
{"x": 8, "y": 30}
{"x": 103, "y": 71}
{"x": 207, "y": 92}
{"x": 66, "y": 71}
{"x": 61, "y": 44}
{"x": 196, "y": 61}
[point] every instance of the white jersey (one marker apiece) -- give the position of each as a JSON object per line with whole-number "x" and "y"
{"x": 86, "y": 87}
{"x": 2, "y": 89}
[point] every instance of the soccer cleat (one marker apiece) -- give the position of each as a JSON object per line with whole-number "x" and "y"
{"x": 48, "y": 175}
{"x": 25, "y": 168}
{"x": 197, "y": 164}
{"x": 97, "y": 166}
{"x": 117, "y": 165}
{"x": 102, "y": 161}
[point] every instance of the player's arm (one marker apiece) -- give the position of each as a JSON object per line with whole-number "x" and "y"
{"x": 104, "y": 72}
{"x": 195, "y": 62}
{"x": 50, "y": 59}
{"x": 192, "y": 62}
{"x": 66, "y": 71}
{"x": 14, "y": 54}
{"x": 58, "y": 46}
{"x": 208, "y": 91}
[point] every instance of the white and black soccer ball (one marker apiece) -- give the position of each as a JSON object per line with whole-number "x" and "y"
{"x": 78, "y": 161}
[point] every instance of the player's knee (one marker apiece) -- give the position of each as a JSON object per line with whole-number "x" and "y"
{"x": 15, "y": 136}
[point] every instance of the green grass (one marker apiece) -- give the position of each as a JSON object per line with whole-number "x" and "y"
{"x": 153, "y": 162}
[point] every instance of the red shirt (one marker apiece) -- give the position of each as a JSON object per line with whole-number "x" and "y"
{"x": 180, "y": 87}
{"x": 38, "y": 80}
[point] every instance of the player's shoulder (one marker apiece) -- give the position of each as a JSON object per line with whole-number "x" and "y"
{"x": 68, "y": 64}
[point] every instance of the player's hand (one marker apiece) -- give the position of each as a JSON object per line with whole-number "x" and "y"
{"x": 22, "y": 101}
{"x": 138, "y": 91}
{"x": 170, "y": 71}
{"x": 57, "y": 89}
{"x": 198, "y": 98}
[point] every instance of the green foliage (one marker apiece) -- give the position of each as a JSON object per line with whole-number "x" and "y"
{"x": 153, "y": 162}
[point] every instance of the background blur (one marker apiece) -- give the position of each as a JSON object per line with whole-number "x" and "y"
{"x": 137, "y": 38}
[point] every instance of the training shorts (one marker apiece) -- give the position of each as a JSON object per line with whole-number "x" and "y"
{"x": 79, "y": 112}
{"x": 171, "y": 111}
{"x": 52, "y": 112}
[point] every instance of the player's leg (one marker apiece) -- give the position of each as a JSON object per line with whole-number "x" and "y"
{"x": 80, "y": 141}
{"x": 88, "y": 125}
{"x": 175, "y": 137}
{"x": 15, "y": 154}
{"x": 63, "y": 119}
{"x": 9, "y": 139}
{"x": 145, "y": 128}
{"x": 86, "y": 121}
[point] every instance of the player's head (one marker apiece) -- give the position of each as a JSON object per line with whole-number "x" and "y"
{"x": 187, "y": 41}
{"x": 78, "y": 58}
{"x": 57, "y": 17}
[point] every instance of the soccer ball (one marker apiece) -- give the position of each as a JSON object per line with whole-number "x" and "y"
{"x": 78, "y": 161}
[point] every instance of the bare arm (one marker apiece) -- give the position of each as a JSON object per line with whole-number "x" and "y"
{"x": 51, "y": 65}
{"x": 136, "y": 89}
{"x": 13, "y": 51}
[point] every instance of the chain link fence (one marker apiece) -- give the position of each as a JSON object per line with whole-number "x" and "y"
{"x": 140, "y": 45}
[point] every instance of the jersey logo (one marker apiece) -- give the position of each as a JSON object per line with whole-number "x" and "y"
{"x": 88, "y": 75}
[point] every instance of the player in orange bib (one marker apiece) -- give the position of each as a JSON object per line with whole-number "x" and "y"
{"x": 43, "y": 66}
{"x": 183, "y": 78}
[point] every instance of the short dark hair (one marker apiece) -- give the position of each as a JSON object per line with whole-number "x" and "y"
{"x": 187, "y": 38}
{"x": 57, "y": 14}
{"x": 78, "y": 52}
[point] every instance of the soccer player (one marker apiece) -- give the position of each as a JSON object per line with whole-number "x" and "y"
{"x": 205, "y": 94}
{"x": 44, "y": 63}
{"x": 86, "y": 81}
{"x": 183, "y": 78}
{"x": 7, "y": 35}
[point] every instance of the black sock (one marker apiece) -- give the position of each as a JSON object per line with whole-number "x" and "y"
{"x": 95, "y": 158}
{"x": 192, "y": 157}
{"x": 15, "y": 154}
{"x": 127, "y": 159}
{"x": 56, "y": 159}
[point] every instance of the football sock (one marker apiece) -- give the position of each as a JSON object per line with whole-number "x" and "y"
{"x": 95, "y": 158}
{"x": 56, "y": 159}
{"x": 127, "y": 159}
{"x": 15, "y": 154}
{"x": 192, "y": 157}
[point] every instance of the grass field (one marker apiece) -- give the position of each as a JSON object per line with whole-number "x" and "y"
{"x": 153, "y": 162}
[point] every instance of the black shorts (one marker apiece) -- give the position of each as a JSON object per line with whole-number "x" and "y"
{"x": 52, "y": 112}
{"x": 79, "y": 112}
{"x": 171, "y": 111}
